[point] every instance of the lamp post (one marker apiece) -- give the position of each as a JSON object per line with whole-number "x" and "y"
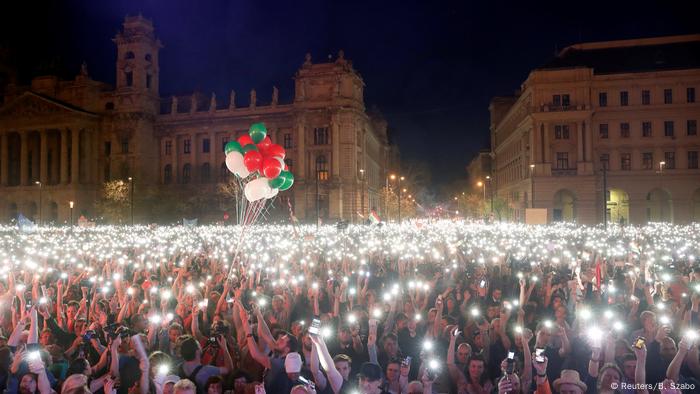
{"x": 70, "y": 204}
{"x": 605, "y": 194}
{"x": 40, "y": 216}
{"x": 386, "y": 198}
{"x": 131, "y": 198}
{"x": 532, "y": 186}
{"x": 399, "y": 187}
{"x": 318, "y": 211}
{"x": 488, "y": 179}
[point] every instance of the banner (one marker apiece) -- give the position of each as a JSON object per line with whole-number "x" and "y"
{"x": 25, "y": 225}
{"x": 189, "y": 223}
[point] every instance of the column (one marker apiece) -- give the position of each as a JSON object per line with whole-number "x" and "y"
{"x": 547, "y": 153}
{"x": 23, "y": 160}
{"x": 4, "y": 158}
{"x": 335, "y": 162}
{"x": 589, "y": 142}
{"x": 64, "y": 156}
{"x": 214, "y": 153}
{"x": 533, "y": 147}
{"x": 75, "y": 157}
{"x": 580, "y": 144}
{"x": 196, "y": 156}
{"x": 44, "y": 161}
{"x": 300, "y": 167}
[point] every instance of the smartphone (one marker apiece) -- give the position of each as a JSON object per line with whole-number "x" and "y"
{"x": 482, "y": 284}
{"x": 510, "y": 363}
{"x": 315, "y": 328}
{"x": 406, "y": 362}
{"x": 639, "y": 342}
{"x": 539, "y": 355}
{"x": 307, "y": 382}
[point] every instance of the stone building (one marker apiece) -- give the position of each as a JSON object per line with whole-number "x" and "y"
{"x": 61, "y": 140}
{"x": 625, "y": 112}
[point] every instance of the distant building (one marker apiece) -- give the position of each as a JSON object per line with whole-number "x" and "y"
{"x": 630, "y": 107}
{"x": 479, "y": 168}
{"x": 72, "y": 136}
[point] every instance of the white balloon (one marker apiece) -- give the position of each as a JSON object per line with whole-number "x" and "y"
{"x": 281, "y": 160}
{"x": 257, "y": 189}
{"x": 273, "y": 193}
{"x": 234, "y": 163}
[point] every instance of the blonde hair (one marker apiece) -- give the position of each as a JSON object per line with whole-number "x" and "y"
{"x": 184, "y": 385}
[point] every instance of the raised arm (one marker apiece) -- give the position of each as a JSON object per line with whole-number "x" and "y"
{"x": 674, "y": 369}
{"x": 253, "y": 346}
{"x": 640, "y": 373}
{"x": 143, "y": 363}
{"x": 319, "y": 378}
{"x": 334, "y": 377}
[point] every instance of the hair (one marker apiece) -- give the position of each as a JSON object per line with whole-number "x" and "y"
{"x": 292, "y": 341}
{"x": 184, "y": 385}
{"x": 216, "y": 379}
{"x": 239, "y": 373}
{"x": 158, "y": 357}
{"x": 75, "y": 383}
{"x": 188, "y": 347}
{"x": 626, "y": 357}
{"x": 73, "y": 303}
{"x": 604, "y": 368}
{"x": 342, "y": 357}
{"x": 78, "y": 366}
{"x": 484, "y": 376}
{"x": 176, "y": 326}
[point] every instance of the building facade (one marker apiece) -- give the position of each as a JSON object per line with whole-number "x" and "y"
{"x": 618, "y": 116}
{"x": 61, "y": 140}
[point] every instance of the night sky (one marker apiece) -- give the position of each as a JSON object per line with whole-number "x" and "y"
{"x": 430, "y": 67}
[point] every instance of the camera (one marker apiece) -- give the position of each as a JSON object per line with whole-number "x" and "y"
{"x": 212, "y": 342}
{"x": 89, "y": 334}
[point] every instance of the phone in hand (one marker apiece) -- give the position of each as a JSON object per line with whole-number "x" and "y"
{"x": 406, "y": 362}
{"x": 639, "y": 342}
{"x": 510, "y": 363}
{"x": 315, "y": 328}
{"x": 539, "y": 355}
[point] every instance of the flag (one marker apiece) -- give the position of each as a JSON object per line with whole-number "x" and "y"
{"x": 374, "y": 218}
{"x": 25, "y": 225}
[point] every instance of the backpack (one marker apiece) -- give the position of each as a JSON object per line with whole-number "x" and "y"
{"x": 192, "y": 377}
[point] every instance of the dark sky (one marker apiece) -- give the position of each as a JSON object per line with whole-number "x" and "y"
{"x": 430, "y": 66}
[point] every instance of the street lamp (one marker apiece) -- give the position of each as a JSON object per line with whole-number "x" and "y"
{"x": 399, "y": 187}
{"x": 131, "y": 198}
{"x": 532, "y": 186}
{"x": 661, "y": 166}
{"x": 70, "y": 204}
{"x": 488, "y": 179}
{"x": 39, "y": 184}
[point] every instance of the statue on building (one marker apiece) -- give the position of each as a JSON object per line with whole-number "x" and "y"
{"x": 307, "y": 60}
{"x": 83, "y": 69}
{"x": 253, "y": 98}
{"x": 193, "y": 104}
{"x": 173, "y": 105}
{"x": 212, "y": 102}
{"x": 275, "y": 95}
{"x": 341, "y": 57}
{"x": 232, "y": 100}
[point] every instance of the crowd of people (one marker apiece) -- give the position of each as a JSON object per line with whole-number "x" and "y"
{"x": 417, "y": 308}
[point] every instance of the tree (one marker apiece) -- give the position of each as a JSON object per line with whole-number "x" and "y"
{"x": 114, "y": 204}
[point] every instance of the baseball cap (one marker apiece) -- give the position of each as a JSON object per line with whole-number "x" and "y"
{"x": 292, "y": 363}
{"x": 370, "y": 371}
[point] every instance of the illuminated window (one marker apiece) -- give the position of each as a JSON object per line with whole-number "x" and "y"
{"x": 322, "y": 168}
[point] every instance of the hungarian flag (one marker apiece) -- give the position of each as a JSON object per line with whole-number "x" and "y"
{"x": 374, "y": 218}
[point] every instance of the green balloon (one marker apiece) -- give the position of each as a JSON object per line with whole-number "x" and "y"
{"x": 233, "y": 146}
{"x": 249, "y": 148}
{"x": 257, "y": 132}
{"x": 288, "y": 181}
{"x": 276, "y": 183}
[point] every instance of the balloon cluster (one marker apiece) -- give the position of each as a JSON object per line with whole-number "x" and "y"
{"x": 255, "y": 157}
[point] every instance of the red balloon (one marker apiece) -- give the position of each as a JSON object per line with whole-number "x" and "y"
{"x": 253, "y": 160}
{"x": 271, "y": 167}
{"x": 276, "y": 150}
{"x": 265, "y": 142}
{"x": 245, "y": 140}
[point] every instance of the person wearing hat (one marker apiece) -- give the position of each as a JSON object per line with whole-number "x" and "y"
{"x": 371, "y": 379}
{"x": 283, "y": 383}
{"x": 569, "y": 383}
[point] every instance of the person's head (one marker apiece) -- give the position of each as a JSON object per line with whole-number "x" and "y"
{"x": 622, "y": 348}
{"x": 278, "y": 303}
{"x": 79, "y": 366}
{"x": 75, "y": 384}
{"x": 240, "y": 380}
{"x": 569, "y": 383}
{"x": 159, "y": 362}
{"x": 343, "y": 364}
{"x": 370, "y": 378}
{"x": 648, "y": 319}
{"x": 496, "y": 293}
{"x": 80, "y": 326}
{"x": 493, "y": 311}
{"x": 344, "y": 335}
{"x": 292, "y": 365}
{"x": 668, "y": 348}
{"x": 27, "y": 385}
{"x": 214, "y": 385}
{"x": 390, "y": 344}
{"x": 464, "y": 351}
{"x": 560, "y": 312}
{"x": 401, "y": 321}
{"x": 46, "y": 338}
{"x": 139, "y": 323}
{"x": 72, "y": 309}
{"x": 476, "y": 369}
{"x": 184, "y": 386}
{"x": 628, "y": 362}
{"x": 190, "y": 350}
{"x": 302, "y": 389}
{"x": 415, "y": 387}
{"x": 297, "y": 329}
{"x": 609, "y": 377}
{"x": 285, "y": 343}
{"x": 174, "y": 332}
{"x": 393, "y": 371}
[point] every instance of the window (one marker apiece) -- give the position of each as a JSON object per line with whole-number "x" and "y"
{"x": 602, "y": 99}
{"x": 224, "y": 141}
{"x": 556, "y": 100}
{"x": 624, "y": 98}
{"x": 668, "y": 128}
{"x": 109, "y": 106}
{"x": 626, "y": 161}
{"x": 693, "y": 159}
{"x": 168, "y": 147}
{"x": 646, "y": 97}
{"x": 206, "y": 145}
{"x": 290, "y": 164}
{"x": 624, "y": 130}
{"x": 187, "y": 145}
{"x": 321, "y": 136}
{"x": 565, "y": 100}
{"x": 646, "y": 129}
{"x": 561, "y": 132}
{"x": 690, "y": 95}
{"x": 129, "y": 55}
{"x": 647, "y": 160}
{"x": 692, "y": 126}
{"x": 605, "y": 160}
{"x": 287, "y": 140}
{"x": 205, "y": 173}
{"x": 168, "y": 174}
{"x": 670, "y": 159}
{"x": 108, "y": 148}
{"x": 668, "y": 96}
{"x": 223, "y": 173}
{"x": 186, "y": 173}
{"x": 149, "y": 78}
{"x": 125, "y": 145}
{"x": 148, "y": 57}
{"x": 322, "y": 168}
{"x": 562, "y": 160}
{"x": 129, "y": 76}
{"x": 603, "y": 130}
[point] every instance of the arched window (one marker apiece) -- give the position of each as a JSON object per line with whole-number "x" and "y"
{"x": 129, "y": 78}
{"x": 205, "y": 173}
{"x": 129, "y": 55}
{"x": 322, "y": 168}
{"x": 321, "y": 136}
{"x": 148, "y": 57}
{"x": 223, "y": 173}
{"x": 168, "y": 174}
{"x": 186, "y": 173}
